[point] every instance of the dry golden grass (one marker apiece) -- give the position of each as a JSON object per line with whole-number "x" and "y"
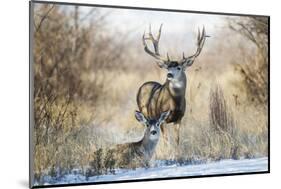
{"x": 196, "y": 138}
{"x": 90, "y": 105}
{"x": 113, "y": 122}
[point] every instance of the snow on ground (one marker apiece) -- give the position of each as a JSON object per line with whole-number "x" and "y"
{"x": 212, "y": 168}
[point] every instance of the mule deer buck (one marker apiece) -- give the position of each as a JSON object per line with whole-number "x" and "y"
{"x": 154, "y": 98}
{"x": 139, "y": 154}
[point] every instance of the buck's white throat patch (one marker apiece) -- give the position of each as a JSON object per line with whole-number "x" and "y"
{"x": 176, "y": 84}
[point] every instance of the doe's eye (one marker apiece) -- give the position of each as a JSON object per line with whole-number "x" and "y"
{"x": 178, "y": 68}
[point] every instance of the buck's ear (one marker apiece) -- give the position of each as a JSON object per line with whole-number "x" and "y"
{"x": 161, "y": 64}
{"x": 140, "y": 117}
{"x": 164, "y": 116}
{"x": 187, "y": 63}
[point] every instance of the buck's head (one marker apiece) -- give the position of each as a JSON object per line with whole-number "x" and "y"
{"x": 175, "y": 68}
{"x": 152, "y": 125}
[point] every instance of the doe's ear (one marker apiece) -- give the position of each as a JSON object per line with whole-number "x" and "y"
{"x": 140, "y": 117}
{"x": 164, "y": 116}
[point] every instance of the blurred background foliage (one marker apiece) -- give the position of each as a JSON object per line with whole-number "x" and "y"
{"x": 87, "y": 72}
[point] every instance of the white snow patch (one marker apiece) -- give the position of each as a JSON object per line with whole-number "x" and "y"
{"x": 164, "y": 171}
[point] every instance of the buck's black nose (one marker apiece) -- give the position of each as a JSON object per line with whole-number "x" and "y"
{"x": 169, "y": 75}
{"x": 153, "y": 132}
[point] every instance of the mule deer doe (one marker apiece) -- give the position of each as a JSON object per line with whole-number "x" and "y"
{"x": 139, "y": 153}
{"x": 154, "y": 98}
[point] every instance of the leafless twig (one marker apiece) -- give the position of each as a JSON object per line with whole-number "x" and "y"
{"x": 42, "y": 19}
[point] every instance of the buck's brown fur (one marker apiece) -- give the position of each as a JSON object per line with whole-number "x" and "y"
{"x": 154, "y": 98}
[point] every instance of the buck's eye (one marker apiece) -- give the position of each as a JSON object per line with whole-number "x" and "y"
{"x": 178, "y": 68}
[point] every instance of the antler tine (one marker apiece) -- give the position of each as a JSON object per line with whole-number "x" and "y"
{"x": 150, "y": 33}
{"x": 155, "y": 42}
{"x": 200, "y": 42}
{"x": 143, "y": 40}
{"x": 146, "y": 48}
{"x": 198, "y": 36}
{"x": 159, "y": 32}
{"x": 201, "y": 37}
{"x": 168, "y": 58}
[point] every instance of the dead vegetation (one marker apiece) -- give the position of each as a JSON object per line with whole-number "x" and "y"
{"x": 85, "y": 85}
{"x": 254, "y": 70}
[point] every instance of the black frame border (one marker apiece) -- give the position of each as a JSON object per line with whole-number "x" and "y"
{"x": 31, "y": 79}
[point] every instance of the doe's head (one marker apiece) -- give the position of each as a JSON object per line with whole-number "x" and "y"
{"x": 152, "y": 125}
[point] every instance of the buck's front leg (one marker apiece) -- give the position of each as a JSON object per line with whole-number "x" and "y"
{"x": 177, "y": 139}
{"x": 177, "y": 133}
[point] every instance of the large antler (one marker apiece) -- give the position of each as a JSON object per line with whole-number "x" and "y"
{"x": 201, "y": 37}
{"x": 162, "y": 61}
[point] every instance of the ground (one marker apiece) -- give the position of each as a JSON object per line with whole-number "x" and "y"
{"x": 173, "y": 170}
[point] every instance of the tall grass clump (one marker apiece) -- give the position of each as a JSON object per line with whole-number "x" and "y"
{"x": 221, "y": 118}
{"x": 221, "y": 123}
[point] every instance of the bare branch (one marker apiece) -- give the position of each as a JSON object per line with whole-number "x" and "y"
{"x": 43, "y": 18}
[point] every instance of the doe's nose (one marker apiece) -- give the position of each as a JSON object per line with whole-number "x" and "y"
{"x": 153, "y": 132}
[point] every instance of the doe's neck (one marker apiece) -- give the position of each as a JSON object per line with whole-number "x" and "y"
{"x": 147, "y": 144}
